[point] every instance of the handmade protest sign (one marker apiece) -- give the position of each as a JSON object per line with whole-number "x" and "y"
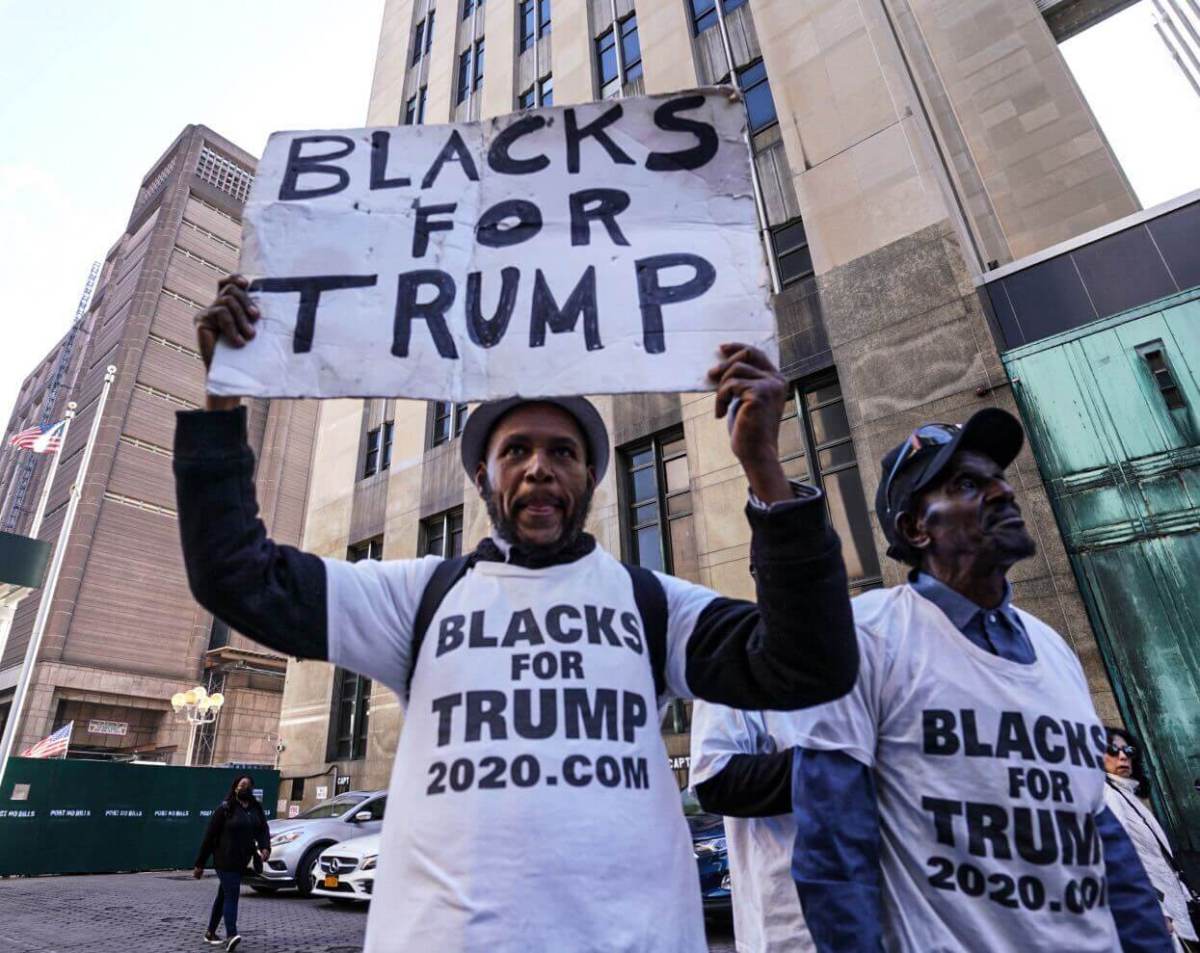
{"x": 602, "y": 248}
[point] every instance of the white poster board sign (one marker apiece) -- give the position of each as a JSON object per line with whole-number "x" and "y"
{"x": 602, "y": 248}
{"x": 322, "y": 792}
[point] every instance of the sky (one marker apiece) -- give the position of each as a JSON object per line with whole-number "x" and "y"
{"x": 95, "y": 91}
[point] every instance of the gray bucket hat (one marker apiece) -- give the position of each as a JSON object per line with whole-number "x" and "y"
{"x": 484, "y": 418}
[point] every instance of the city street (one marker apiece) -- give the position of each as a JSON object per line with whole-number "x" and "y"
{"x": 164, "y": 912}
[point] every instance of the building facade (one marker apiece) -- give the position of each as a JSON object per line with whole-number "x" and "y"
{"x": 124, "y": 633}
{"x": 903, "y": 150}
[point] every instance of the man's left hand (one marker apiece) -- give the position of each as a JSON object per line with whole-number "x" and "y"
{"x": 747, "y": 375}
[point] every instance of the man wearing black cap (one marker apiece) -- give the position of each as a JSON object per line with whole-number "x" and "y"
{"x": 954, "y": 799}
{"x": 531, "y": 805}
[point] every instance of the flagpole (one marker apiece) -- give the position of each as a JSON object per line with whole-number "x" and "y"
{"x": 16, "y": 712}
{"x": 36, "y": 525}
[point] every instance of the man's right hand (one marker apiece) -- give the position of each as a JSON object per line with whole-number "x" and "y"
{"x": 231, "y": 318}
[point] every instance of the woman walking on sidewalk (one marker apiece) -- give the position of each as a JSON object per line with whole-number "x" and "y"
{"x": 236, "y": 833}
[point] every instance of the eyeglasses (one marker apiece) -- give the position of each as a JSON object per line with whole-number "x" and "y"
{"x": 1117, "y": 750}
{"x": 930, "y": 435}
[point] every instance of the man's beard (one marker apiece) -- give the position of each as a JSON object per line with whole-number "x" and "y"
{"x": 506, "y": 528}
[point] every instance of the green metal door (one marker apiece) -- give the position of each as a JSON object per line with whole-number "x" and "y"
{"x": 1113, "y": 412}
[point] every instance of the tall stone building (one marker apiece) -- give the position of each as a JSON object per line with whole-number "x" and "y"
{"x": 904, "y": 150}
{"x": 124, "y": 633}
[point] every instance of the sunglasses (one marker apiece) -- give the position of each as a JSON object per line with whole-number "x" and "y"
{"x": 1117, "y": 750}
{"x": 930, "y": 435}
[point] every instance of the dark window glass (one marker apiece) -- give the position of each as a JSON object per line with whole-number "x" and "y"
{"x": 606, "y": 57}
{"x": 351, "y": 698}
{"x": 218, "y": 634}
{"x": 441, "y": 535}
{"x": 429, "y": 32}
{"x": 657, "y": 510}
{"x": 815, "y": 446}
{"x": 631, "y": 50}
{"x": 468, "y": 7}
{"x": 527, "y": 99}
{"x": 525, "y": 15}
{"x": 422, "y": 95}
{"x": 731, "y": 5}
{"x": 371, "y": 458}
{"x": 368, "y": 549}
{"x": 464, "y": 75}
{"x": 447, "y": 421}
{"x": 704, "y": 15}
{"x": 760, "y": 106}
{"x": 418, "y": 42}
{"x": 543, "y": 17}
{"x": 410, "y": 111}
{"x": 790, "y": 246}
{"x": 385, "y": 450}
{"x": 478, "y": 63}
{"x": 546, "y": 91}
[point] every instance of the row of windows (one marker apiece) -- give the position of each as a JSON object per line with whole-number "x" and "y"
{"x": 378, "y": 454}
{"x": 534, "y": 21}
{"x": 224, "y": 174}
{"x": 446, "y": 421}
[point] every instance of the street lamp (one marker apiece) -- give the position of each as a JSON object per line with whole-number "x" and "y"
{"x": 198, "y": 707}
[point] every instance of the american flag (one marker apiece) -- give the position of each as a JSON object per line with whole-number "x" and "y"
{"x": 52, "y": 746}
{"x": 40, "y": 439}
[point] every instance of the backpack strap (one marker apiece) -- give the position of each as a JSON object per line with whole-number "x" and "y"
{"x": 444, "y": 578}
{"x": 651, "y": 601}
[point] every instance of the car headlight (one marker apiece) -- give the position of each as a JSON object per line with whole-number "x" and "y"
{"x": 286, "y": 838}
{"x": 707, "y": 847}
{"x": 369, "y": 862}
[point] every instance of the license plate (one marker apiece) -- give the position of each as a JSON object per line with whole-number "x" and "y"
{"x": 331, "y": 882}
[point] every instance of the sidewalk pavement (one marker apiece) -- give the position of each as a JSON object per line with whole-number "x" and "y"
{"x": 166, "y": 912}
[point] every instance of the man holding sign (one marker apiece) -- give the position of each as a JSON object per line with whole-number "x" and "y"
{"x": 532, "y": 806}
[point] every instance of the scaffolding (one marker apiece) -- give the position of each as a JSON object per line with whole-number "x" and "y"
{"x": 24, "y": 473}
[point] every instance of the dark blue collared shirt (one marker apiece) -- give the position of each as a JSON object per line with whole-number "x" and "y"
{"x": 998, "y": 631}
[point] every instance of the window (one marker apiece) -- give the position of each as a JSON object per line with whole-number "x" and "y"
{"x": 815, "y": 446}
{"x": 525, "y": 16}
{"x": 468, "y": 8}
{"x": 224, "y": 174}
{"x": 760, "y": 105}
{"x": 704, "y": 15}
{"x": 631, "y": 49}
{"x": 543, "y": 17}
{"x": 385, "y": 450}
{"x": 429, "y": 32}
{"x": 658, "y": 506}
{"x": 218, "y": 634}
{"x": 349, "y": 713}
{"x": 527, "y": 99}
{"x": 464, "y": 76}
{"x": 297, "y": 789}
{"x": 789, "y": 244}
{"x": 447, "y": 421}
{"x": 422, "y": 95}
{"x": 1155, "y": 356}
{"x": 371, "y": 457}
{"x": 478, "y": 64}
{"x": 367, "y": 549}
{"x": 418, "y": 42}
{"x": 441, "y": 535}
{"x": 730, "y": 5}
{"x": 606, "y": 62}
{"x": 414, "y": 109}
{"x": 546, "y": 90}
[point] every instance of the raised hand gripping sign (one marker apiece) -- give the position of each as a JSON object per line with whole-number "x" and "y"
{"x": 600, "y": 248}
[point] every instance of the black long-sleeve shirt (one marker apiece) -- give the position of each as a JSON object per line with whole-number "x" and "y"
{"x": 234, "y": 831}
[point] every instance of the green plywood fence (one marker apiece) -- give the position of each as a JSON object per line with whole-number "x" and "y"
{"x": 72, "y": 816}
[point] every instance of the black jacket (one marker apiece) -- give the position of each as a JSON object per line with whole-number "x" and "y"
{"x": 795, "y": 647}
{"x": 234, "y": 832}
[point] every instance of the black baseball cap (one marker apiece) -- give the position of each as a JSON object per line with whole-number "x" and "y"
{"x": 919, "y": 461}
{"x": 483, "y": 419}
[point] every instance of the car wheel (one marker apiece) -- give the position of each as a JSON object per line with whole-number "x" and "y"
{"x": 263, "y": 890}
{"x": 306, "y": 870}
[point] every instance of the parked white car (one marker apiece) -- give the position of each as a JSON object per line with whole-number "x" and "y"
{"x": 345, "y": 872}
